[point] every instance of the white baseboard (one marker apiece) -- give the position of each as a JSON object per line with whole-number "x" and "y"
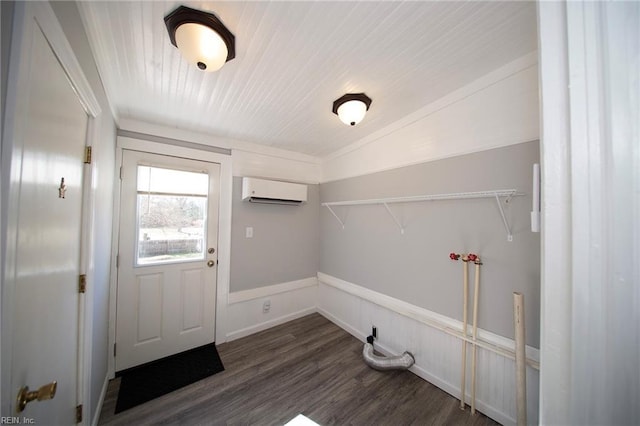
{"x": 103, "y": 393}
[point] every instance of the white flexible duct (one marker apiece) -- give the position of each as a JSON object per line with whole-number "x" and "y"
{"x": 398, "y": 362}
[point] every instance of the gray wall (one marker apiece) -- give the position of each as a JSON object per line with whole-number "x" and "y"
{"x": 104, "y": 164}
{"x": 285, "y": 243}
{"x": 415, "y": 266}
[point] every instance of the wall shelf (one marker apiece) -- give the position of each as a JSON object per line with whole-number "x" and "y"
{"x": 497, "y": 194}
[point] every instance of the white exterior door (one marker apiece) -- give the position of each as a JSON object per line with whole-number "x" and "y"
{"x": 45, "y": 130}
{"x": 167, "y": 261}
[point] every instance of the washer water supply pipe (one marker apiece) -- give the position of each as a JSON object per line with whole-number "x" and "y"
{"x": 398, "y": 362}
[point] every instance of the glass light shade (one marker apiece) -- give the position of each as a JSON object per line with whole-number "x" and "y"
{"x": 201, "y": 46}
{"x": 352, "y": 112}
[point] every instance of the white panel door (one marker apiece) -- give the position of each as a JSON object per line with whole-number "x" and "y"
{"x": 48, "y": 127}
{"x": 167, "y": 257}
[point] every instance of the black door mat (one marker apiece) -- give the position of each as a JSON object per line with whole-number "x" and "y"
{"x": 146, "y": 382}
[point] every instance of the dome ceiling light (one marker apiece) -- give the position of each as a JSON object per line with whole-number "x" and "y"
{"x": 351, "y": 108}
{"x": 201, "y": 38}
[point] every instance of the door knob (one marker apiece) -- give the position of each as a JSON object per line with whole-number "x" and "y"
{"x": 45, "y": 392}
{"x": 211, "y": 263}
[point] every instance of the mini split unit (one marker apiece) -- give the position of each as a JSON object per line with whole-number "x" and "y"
{"x": 273, "y": 192}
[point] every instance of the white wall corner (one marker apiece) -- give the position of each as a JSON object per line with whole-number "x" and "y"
{"x": 291, "y": 167}
{"x": 103, "y": 394}
{"x": 496, "y": 110}
{"x": 245, "y": 313}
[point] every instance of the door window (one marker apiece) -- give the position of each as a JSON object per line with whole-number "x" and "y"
{"x": 171, "y": 215}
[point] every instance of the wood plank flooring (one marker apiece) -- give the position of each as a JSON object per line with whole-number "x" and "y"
{"x": 308, "y": 366}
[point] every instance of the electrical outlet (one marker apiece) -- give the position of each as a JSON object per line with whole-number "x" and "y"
{"x": 266, "y": 306}
{"x": 248, "y": 232}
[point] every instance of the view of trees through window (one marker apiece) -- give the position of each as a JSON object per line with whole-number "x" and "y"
{"x": 171, "y": 227}
{"x": 171, "y": 211}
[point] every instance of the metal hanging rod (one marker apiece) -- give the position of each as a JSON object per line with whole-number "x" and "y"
{"x": 496, "y": 194}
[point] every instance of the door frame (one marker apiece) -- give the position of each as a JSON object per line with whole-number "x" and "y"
{"x": 24, "y": 16}
{"x": 578, "y": 42}
{"x": 224, "y": 227}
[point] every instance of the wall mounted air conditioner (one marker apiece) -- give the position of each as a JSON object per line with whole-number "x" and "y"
{"x": 273, "y": 192}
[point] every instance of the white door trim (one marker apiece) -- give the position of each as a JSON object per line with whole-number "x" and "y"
{"x": 224, "y": 228}
{"x": 60, "y": 45}
{"x": 588, "y": 82}
{"x": 44, "y": 17}
{"x": 556, "y": 266}
{"x": 87, "y": 262}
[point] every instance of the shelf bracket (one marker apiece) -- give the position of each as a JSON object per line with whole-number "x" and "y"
{"x": 507, "y": 194}
{"x": 394, "y": 218}
{"x": 504, "y": 219}
{"x": 335, "y": 215}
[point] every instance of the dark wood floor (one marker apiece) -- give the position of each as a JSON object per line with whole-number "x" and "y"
{"x": 308, "y": 366}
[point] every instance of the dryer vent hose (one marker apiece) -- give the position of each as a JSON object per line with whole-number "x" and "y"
{"x": 399, "y": 362}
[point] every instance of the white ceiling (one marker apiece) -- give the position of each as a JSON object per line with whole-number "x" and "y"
{"x": 293, "y": 59}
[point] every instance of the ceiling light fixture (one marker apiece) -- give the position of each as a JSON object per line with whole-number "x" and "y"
{"x": 201, "y": 37}
{"x": 351, "y": 108}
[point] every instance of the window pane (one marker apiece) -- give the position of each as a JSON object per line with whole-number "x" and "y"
{"x": 171, "y": 227}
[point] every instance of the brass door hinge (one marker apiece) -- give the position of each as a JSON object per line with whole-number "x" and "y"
{"x": 79, "y": 413}
{"x": 82, "y": 284}
{"x": 87, "y": 155}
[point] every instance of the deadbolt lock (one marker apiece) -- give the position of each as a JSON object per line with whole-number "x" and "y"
{"x": 45, "y": 392}
{"x": 211, "y": 250}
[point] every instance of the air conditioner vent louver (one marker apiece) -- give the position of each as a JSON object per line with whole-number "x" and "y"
{"x": 273, "y": 192}
{"x": 274, "y": 201}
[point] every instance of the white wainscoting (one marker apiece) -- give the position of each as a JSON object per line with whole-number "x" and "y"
{"x": 403, "y": 327}
{"x": 289, "y": 301}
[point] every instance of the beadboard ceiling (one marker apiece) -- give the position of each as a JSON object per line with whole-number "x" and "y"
{"x": 293, "y": 59}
